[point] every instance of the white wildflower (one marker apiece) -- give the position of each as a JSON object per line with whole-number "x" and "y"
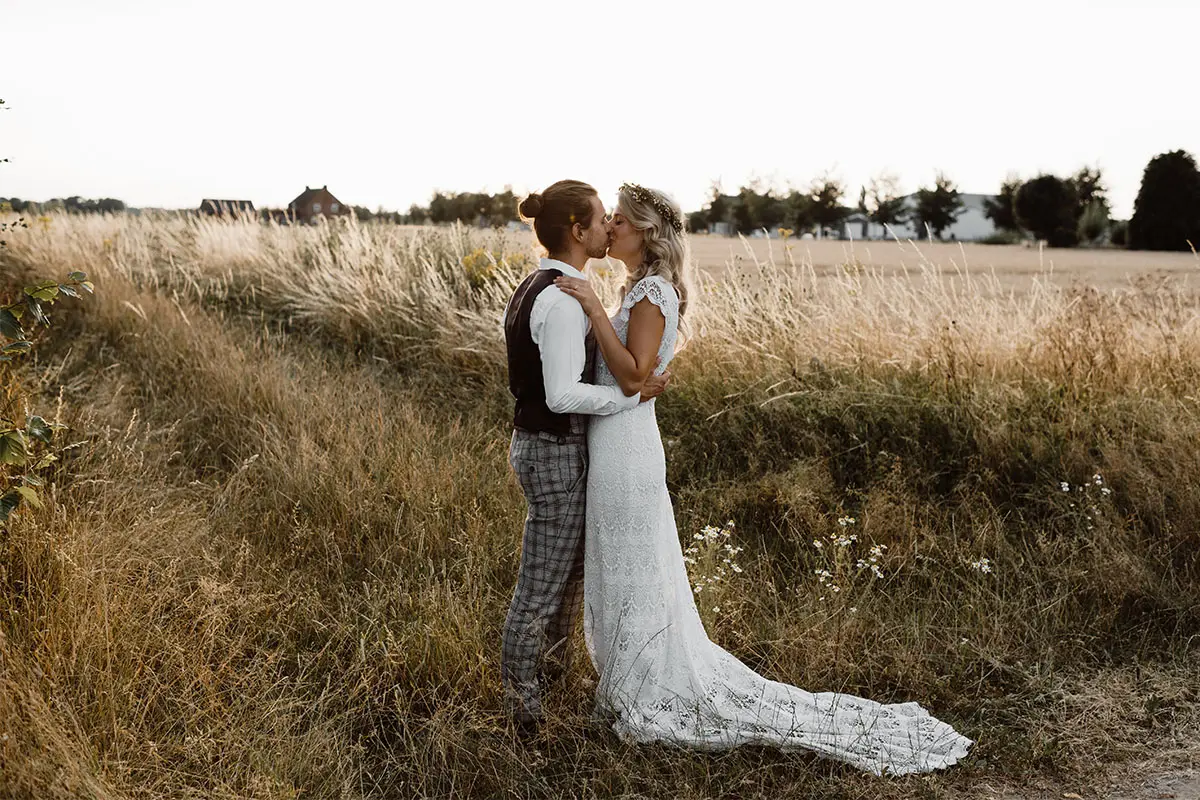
{"x": 982, "y": 565}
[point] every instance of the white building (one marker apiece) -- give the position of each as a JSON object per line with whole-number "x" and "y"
{"x": 972, "y": 224}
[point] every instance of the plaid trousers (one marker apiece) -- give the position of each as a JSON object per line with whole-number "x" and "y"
{"x": 552, "y": 471}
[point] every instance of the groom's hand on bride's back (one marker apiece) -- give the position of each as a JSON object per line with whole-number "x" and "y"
{"x": 655, "y": 385}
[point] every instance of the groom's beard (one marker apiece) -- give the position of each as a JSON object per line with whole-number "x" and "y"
{"x": 599, "y": 252}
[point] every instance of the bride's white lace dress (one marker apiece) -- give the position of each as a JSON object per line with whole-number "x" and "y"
{"x": 661, "y": 679}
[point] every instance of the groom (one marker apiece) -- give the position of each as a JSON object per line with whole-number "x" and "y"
{"x": 549, "y": 358}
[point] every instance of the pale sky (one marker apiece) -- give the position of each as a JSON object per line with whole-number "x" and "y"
{"x": 165, "y": 102}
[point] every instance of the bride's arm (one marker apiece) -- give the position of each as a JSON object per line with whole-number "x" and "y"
{"x": 631, "y": 365}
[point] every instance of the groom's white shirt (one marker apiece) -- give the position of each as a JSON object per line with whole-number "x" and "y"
{"x": 558, "y": 327}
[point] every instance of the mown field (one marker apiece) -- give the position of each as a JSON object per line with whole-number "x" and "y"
{"x": 999, "y": 268}
{"x": 279, "y": 565}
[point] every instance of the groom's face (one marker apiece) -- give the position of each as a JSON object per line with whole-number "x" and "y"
{"x": 596, "y": 236}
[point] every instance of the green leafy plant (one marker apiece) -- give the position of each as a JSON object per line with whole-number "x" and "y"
{"x": 28, "y": 448}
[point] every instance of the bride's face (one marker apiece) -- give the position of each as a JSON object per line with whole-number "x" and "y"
{"x": 626, "y": 241}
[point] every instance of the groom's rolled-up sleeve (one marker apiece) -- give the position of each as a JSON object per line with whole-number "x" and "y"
{"x": 561, "y": 343}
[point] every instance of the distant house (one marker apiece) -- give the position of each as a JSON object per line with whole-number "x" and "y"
{"x": 313, "y": 203}
{"x": 972, "y": 223}
{"x": 226, "y": 208}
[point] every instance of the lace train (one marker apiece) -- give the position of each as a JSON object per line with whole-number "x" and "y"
{"x": 661, "y": 678}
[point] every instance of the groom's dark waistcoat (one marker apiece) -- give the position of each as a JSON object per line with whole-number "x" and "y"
{"x": 525, "y": 379}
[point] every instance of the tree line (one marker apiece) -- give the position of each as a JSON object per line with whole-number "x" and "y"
{"x": 1062, "y": 211}
{"x": 1065, "y": 212}
{"x": 72, "y": 205}
{"x": 472, "y": 208}
{"x": 821, "y": 206}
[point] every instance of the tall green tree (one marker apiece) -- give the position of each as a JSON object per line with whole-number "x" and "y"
{"x": 417, "y": 215}
{"x": 772, "y": 210}
{"x": 999, "y": 209}
{"x": 745, "y": 211}
{"x": 885, "y": 203}
{"x": 1093, "y": 222}
{"x": 719, "y": 208}
{"x": 1166, "y": 213}
{"x": 757, "y": 207}
{"x": 439, "y": 208}
{"x": 1090, "y": 188}
{"x": 937, "y": 207}
{"x": 798, "y": 206}
{"x": 502, "y": 208}
{"x": 825, "y": 201}
{"x": 1045, "y": 206}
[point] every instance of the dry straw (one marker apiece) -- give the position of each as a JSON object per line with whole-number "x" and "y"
{"x": 280, "y": 567}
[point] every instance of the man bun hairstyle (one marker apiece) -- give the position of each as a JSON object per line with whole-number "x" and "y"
{"x": 531, "y": 206}
{"x": 556, "y": 209}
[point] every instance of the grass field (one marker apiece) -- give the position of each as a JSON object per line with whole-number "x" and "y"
{"x": 280, "y": 564}
{"x": 1013, "y": 266}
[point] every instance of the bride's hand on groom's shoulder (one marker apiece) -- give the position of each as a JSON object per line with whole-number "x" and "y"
{"x": 582, "y": 291}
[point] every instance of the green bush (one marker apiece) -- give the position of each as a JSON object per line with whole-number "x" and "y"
{"x": 1166, "y": 213}
{"x": 1119, "y": 233}
{"x": 1093, "y": 222}
{"x": 1045, "y": 206}
{"x": 1004, "y": 237}
{"x": 28, "y": 443}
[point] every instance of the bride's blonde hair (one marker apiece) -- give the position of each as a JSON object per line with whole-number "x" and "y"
{"x": 660, "y": 220}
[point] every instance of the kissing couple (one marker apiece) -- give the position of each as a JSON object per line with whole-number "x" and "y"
{"x": 600, "y": 530}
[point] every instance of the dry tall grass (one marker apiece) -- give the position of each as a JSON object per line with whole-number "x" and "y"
{"x": 281, "y": 565}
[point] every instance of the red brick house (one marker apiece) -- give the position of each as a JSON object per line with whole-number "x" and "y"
{"x": 313, "y": 203}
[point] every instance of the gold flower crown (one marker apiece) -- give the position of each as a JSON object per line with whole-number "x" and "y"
{"x": 643, "y": 195}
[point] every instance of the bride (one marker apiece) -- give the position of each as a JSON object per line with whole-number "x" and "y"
{"x": 661, "y": 679}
